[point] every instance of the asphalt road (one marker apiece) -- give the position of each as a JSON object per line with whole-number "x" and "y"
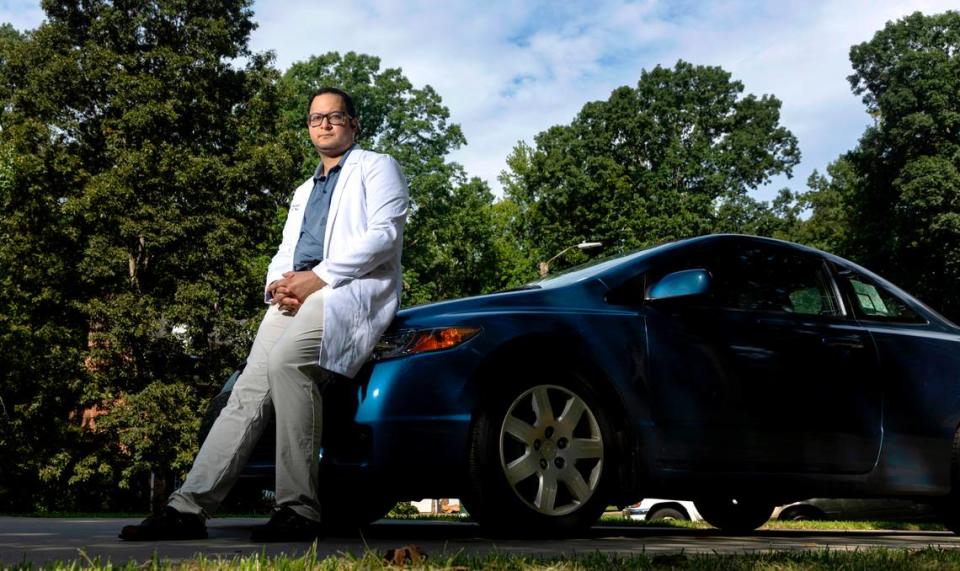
{"x": 41, "y": 540}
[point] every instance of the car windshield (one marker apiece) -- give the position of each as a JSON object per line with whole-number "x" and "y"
{"x": 589, "y": 269}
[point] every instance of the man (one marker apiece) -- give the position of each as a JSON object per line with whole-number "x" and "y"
{"x": 334, "y": 287}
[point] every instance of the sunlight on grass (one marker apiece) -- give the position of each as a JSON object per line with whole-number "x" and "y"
{"x": 612, "y": 518}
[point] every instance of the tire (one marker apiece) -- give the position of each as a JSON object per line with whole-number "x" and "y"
{"x": 735, "y": 515}
{"x": 666, "y": 513}
{"x": 542, "y": 457}
{"x": 949, "y": 506}
{"x": 801, "y": 513}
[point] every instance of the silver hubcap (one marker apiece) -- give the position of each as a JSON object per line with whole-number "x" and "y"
{"x": 552, "y": 461}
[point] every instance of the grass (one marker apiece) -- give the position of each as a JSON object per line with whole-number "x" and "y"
{"x": 615, "y": 518}
{"x": 855, "y": 525}
{"x": 867, "y": 560}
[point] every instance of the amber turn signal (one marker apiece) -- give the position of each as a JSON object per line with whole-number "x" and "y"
{"x": 438, "y": 339}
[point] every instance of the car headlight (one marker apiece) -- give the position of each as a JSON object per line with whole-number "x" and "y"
{"x": 412, "y": 341}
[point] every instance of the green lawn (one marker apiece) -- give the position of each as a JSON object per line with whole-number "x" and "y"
{"x": 868, "y": 560}
{"x": 615, "y": 518}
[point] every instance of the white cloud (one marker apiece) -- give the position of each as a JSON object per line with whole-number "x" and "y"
{"x": 508, "y": 70}
{"x": 21, "y": 14}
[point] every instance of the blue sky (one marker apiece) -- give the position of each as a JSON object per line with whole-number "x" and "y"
{"x": 510, "y": 69}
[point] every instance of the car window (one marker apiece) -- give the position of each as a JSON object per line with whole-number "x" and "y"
{"x": 593, "y": 267}
{"x": 767, "y": 278}
{"x": 876, "y": 303}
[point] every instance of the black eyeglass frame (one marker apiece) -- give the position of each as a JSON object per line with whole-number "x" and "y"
{"x": 316, "y": 119}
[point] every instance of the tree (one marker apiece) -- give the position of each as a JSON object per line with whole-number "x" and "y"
{"x": 149, "y": 165}
{"x": 448, "y": 249}
{"x": 743, "y": 214}
{"x": 41, "y": 333}
{"x": 9, "y": 39}
{"x": 156, "y": 427}
{"x": 904, "y": 204}
{"x": 653, "y": 163}
{"x": 516, "y": 264}
{"x": 826, "y": 200}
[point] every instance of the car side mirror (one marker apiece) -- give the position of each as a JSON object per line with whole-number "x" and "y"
{"x": 680, "y": 284}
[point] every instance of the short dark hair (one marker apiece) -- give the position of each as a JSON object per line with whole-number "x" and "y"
{"x": 347, "y": 100}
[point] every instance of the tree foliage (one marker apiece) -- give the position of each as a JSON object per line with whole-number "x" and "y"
{"x": 825, "y": 203}
{"x": 154, "y": 430}
{"x": 148, "y": 168}
{"x": 672, "y": 157}
{"x": 903, "y": 201}
{"x": 516, "y": 260}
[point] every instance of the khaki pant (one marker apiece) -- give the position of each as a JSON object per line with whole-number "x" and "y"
{"x": 282, "y": 369}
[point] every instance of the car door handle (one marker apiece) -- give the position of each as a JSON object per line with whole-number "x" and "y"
{"x": 792, "y": 327}
{"x": 844, "y": 341}
{"x": 775, "y": 322}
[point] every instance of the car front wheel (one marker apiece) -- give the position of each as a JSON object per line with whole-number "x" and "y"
{"x": 541, "y": 458}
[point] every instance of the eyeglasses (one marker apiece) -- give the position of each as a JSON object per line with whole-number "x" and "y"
{"x": 336, "y": 118}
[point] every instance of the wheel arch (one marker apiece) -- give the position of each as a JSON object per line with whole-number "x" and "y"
{"x": 556, "y": 349}
{"x": 572, "y": 353}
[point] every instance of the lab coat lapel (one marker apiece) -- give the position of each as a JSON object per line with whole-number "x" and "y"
{"x": 348, "y": 169}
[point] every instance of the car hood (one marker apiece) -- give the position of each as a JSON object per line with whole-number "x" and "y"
{"x": 533, "y": 298}
{"x": 577, "y": 288}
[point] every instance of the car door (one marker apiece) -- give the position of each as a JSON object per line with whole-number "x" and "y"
{"x": 919, "y": 355}
{"x": 767, "y": 371}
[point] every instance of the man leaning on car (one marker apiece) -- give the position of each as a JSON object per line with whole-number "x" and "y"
{"x": 339, "y": 258}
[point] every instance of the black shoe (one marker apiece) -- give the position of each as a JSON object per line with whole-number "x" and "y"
{"x": 165, "y": 525}
{"x": 287, "y": 525}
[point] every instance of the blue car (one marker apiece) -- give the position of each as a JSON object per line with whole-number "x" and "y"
{"x": 738, "y": 372}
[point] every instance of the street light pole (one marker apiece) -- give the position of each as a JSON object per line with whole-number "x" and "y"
{"x": 544, "y": 267}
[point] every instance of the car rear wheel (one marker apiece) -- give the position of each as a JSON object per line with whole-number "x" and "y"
{"x": 541, "y": 458}
{"x": 949, "y": 506}
{"x": 735, "y": 514}
{"x": 667, "y": 513}
{"x": 801, "y": 513}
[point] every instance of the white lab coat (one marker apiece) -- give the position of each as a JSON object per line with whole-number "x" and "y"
{"x": 361, "y": 256}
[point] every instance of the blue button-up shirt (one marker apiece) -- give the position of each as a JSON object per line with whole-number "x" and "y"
{"x": 309, "y": 250}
